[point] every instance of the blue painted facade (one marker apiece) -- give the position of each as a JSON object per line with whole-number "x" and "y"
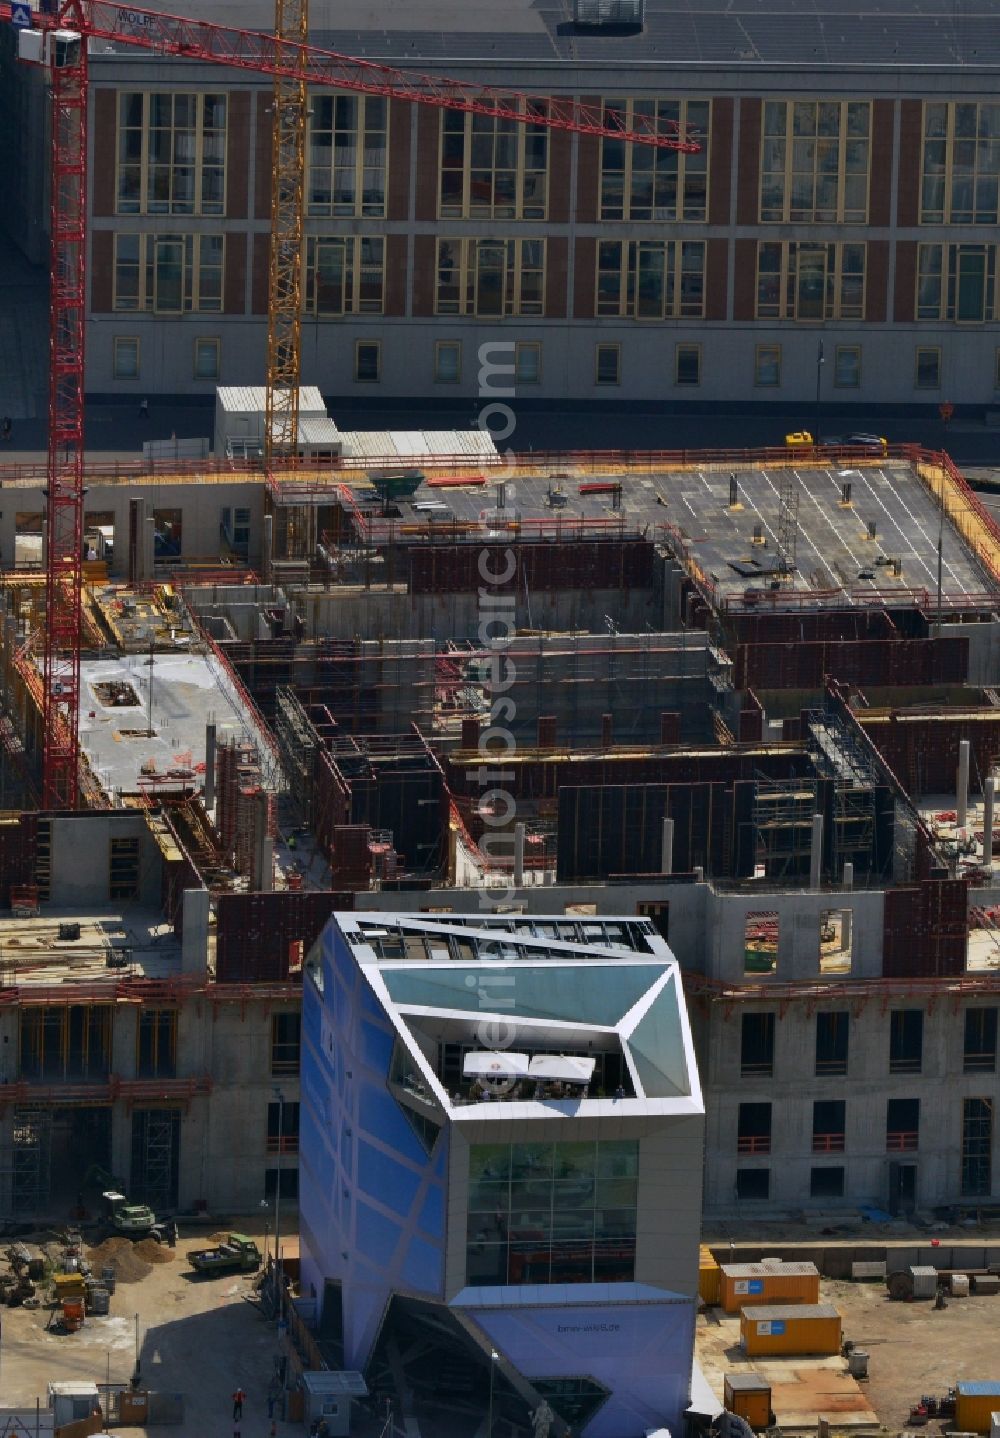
{"x": 372, "y": 1203}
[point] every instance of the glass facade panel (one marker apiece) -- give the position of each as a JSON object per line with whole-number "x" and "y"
{"x": 171, "y": 154}
{"x": 344, "y": 276}
{"x": 492, "y": 168}
{"x": 810, "y": 282}
{"x": 168, "y": 274}
{"x": 639, "y": 182}
{"x": 651, "y": 279}
{"x": 346, "y": 150}
{"x": 562, "y": 1213}
{"x": 815, "y": 162}
{"x": 961, "y": 164}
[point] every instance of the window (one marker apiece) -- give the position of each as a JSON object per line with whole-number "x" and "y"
{"x": 753, "y": 1183}
{"x": 902, "y": 1125}
{"x": 760, "y": 941}
{"x": 826, "y": 1183}
{"x": 346, "y": 150}
{"x": 956, "y": 282}
{"x": 367, "y": 361}
{"x": 829, "y": 1125}
{"x": 814, "y": 162}
{"x": 753, "y": 1133}
{"x": 66, "y": 1041}
{"x": 996, "y": 369}
{"x": 552, "y": 1213}
{"x": 492, "y": 168}
{"x": 928, "y": 369}
{"x": 171, "y": 154}
{"x": 126, "y": 357}
{"x": 757, "y": 1045}
{"x": 977, "y": 1143}
{"x": 651, "y": 279}
{"x": 906, "y": 1039}
{"x": 767, "y": 366}
{"x": 123, "y": 865}
{"x": 687, "y": 364}
{"x": 285, "y": 1036}
{"x": 287, "y": 1179}
{"x": 490, "y": 278}
{"x": 344, "y": 276}
{"x": 803, "y": 281}
{"x": 832, "y": 1031}
{"x": 835, "y": 941}
{"x": 980, "y": 1041}
{"x": 168, "y": 533}
{"x": 961, "y": 164}
{"x": 528, "y": 362}
{"x": 448, "y": 361}
{"x": 283, "y": 1127}
{"x": 639, "y": 182}
{"x": 847, "y": 367}
{"x": 608, "y": 362}
{"x": 207, "y": 355}
{"x": 156, "y": 1044}
{"x": 168, "y": 274}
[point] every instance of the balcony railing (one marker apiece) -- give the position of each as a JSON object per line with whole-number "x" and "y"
{"x": 828, "y": 1143}
{"x": 288, "y": 1143}
{"x": 901, "y": 1141}
{"x": 754, "y": 1143}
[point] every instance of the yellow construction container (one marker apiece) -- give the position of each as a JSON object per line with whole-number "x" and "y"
{"x": 68, "y": 1286}
{"x": 709, "y": 1277}
{"x": 790, "y": 1328}
{"x": 744, "y": 1283}
{"x": 974, "y": 1405}
{"x": 749, "y": 1396}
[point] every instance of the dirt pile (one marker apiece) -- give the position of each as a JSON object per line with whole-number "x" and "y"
{"x": 120, "y": 1255}
{"x": 153, "y": 1252}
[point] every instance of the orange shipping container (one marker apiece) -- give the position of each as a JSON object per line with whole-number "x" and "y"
{"x": 709, "y": 1277}
{"x": 791, "y": 1328}
{"x": 744, "y": 1283}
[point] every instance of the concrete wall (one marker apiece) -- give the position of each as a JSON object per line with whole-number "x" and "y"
{"x": 81, "y": 859}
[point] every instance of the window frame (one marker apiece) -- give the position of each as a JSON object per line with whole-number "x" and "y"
{"x": 608, "y": 346}
{"x": 195, "y": 269}
{"x": 470, "y": 273}
{"x": 520, "y": 134}
{"x": 356, "y": 270}
{"x": 789, "y": 139}
{"x": 120, "y": 340}
{"x": 681, "y": 212}
{"x": 752, "y": 1197}
{"x": 758, "y": 353}
{"x": 948, "y": 277}
{"x": 285, "y": 1066}
{"x": 843, "y": 350}
{"x": 926, "y": 350}
{"x": 205, "y": 342}
{"x": 628, "y": 273}
{"x": 520, "y": 347}
{"x": 360, "y": 345}
{"x": 691, "y": 347}
{"x": 362, "y": 164}
{"x": 440, "y": 345}
{"x": 148, "y": 162}
{"x": 949, "y": 140}
{"x": 791, "y": 274}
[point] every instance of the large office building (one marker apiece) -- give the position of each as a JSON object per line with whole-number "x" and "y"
{"x": 832, "y": 239}
{"x": 501, "y": 1150}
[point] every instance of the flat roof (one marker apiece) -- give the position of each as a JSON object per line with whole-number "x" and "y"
{"x": 137, "y": 936}
{"x": 715, "y": 35}
{"x": 186, "y": 690}
{"x": 791, "y": 1310}
{"x": 689, "y": 510}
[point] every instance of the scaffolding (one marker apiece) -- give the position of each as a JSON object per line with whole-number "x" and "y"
{"x": 26, "y": 1175}
{"x": 782, "y": 820}
{"x": 155, "y": 1138}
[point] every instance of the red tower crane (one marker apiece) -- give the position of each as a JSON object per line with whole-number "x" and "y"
{"x": 64, "y": 51}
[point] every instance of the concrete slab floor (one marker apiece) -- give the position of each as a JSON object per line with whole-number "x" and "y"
{"x": 185, "y": 691}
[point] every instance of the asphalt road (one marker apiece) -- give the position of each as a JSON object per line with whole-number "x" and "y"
{"x": 120, "y": 430}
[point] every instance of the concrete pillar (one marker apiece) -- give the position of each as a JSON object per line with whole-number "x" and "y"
{"x": 962, "y": 807}
{"x": 846, "y": 919}
{"x": 816, "y": 853}
{"x": 262, "y": 866}
{"x": 848, "y": 876}
{"x": 194, "y": 931}
{"x": 518, "y": 855}
{"x": 148, "y": 536}
{"x": 210, "y": 762}
{"x": 989, "y": 799}
{"x": 667, "y": 847}
{"x": 267, "y": 547}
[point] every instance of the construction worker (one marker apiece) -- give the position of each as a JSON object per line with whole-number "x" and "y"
{"x": 238, "y": 1399}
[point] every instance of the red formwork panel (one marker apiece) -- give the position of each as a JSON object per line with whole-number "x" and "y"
{"x": 922, "y": 751}
{"x": 260, "y": 938}
{"x": 926, "y": 930}
{"x": 810, "y": 626}
{"x": 18, "y": 838}
{"x": 626, "y": 563}
{"x": 900, "y": 663}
